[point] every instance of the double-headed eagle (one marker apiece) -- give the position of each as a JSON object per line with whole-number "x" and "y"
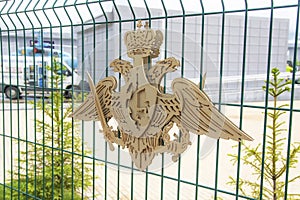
{"x": 144, "y": 112}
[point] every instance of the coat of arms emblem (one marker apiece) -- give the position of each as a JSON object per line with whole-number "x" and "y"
{"x": 144, "y": 112}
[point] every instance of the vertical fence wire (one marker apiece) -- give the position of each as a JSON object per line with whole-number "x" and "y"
{"x": 72, "y": 65}
{"x": 266, "y": 102}
{"x": 18, "y": 102}
{"x": 11, "y": 32}
{"x": 132, "y": 165}
{"x": 10, "y": 104}
{"x": 220, "y": 96}
{"x": 94, "y": 80}
{"x": 10, "y": 113}
{"x": 26, "y": 116}
{"x": 146, "y": 171}
{"x": 165, "y": 85}
{"x": 119, "y": 79}
{"x": 181, "y": 75}
{"x": 106, "y": 74}
{"x": 291, "y": 105}
{"x": 32, "y": 28}
{"x": 61, "y": 147}
{"x": 52, "y": 96}
{"x": 82, "y": 97}
{"x": 201, "y": 87}
{"x": 3, "y": 119}
{"x": 242, "y": 98}
{"x": 41, "y": 36}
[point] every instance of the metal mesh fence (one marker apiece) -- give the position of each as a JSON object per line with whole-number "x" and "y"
{"x": 45, "y": 154}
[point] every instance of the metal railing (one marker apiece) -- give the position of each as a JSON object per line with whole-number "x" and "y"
{"x": 93, "y": 32}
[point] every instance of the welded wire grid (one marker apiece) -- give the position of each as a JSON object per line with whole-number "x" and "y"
{"x": 90, "y": 30}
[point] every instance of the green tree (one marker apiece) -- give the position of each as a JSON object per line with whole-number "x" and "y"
{"x": 275, "y": 158}
{"x": 54, "y": 167}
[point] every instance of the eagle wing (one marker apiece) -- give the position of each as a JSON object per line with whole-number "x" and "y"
{"x": 87, "y": 110}
{"x": 200, "y": 116}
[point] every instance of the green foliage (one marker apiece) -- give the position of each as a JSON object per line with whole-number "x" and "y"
{"x": 275, "y": 157}
{"x": 54, "y": 165}
{"x": 67, "y": 193}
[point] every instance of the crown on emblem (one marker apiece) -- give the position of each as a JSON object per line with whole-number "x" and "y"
{"x": 143, "y": 42}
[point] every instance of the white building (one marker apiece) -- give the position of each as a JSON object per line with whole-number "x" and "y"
{"x": 103, "y": 43}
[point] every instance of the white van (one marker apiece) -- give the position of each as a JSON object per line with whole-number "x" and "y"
{"x": 18, "y": 73}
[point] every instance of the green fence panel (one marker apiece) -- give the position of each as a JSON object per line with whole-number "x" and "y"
{"x": 37, "y": 152}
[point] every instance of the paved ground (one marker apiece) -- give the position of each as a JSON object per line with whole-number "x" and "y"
{"x": 253, "y": 124}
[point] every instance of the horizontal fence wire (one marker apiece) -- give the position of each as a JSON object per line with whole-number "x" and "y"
{"x": 37, "y": 151}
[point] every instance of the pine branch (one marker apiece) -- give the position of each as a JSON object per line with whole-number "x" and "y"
{"x": 275, "y": 162}
{"x": 39, "y": 158}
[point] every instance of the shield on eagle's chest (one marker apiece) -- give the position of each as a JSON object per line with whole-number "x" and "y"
{"x": 135, "y": 107}
{"x": 142, "y": 105}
